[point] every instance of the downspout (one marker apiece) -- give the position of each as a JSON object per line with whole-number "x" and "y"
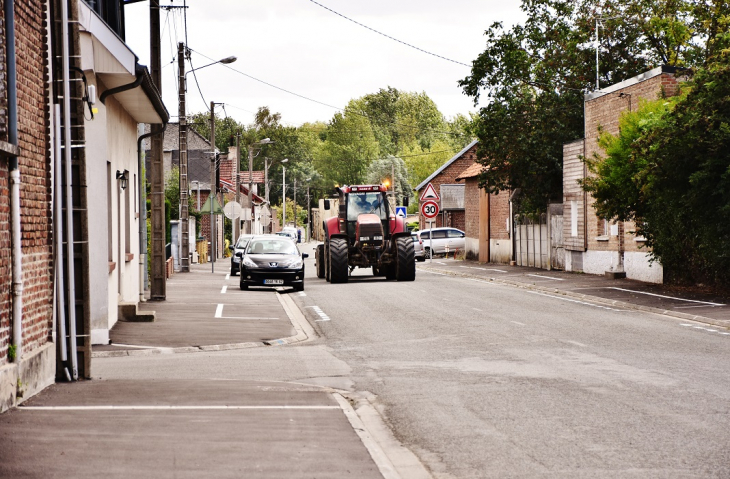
{"x": 17, "y": 251}
{"x": 69, "y": 193}
{"x": 58, "y": 240}
{"x": 143, "y": 210}
{"x": 139, "y": 72}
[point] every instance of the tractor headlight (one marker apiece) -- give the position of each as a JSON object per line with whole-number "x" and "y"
{"x": 248, "y": 262}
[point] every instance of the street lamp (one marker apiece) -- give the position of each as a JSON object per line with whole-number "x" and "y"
{"x": 183, "y": 151}
{"x": 267, "y": 165}
{"x": 265, "y": 141}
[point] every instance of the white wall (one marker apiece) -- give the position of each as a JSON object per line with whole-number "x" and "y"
{"x": 636, "y": 265}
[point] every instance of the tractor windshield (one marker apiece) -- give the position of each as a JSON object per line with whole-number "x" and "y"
{"x": 362, "y": 203}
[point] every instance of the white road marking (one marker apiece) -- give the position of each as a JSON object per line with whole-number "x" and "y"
{"x": 521, "y": 324}
{"x": 687, "y": 325}
{"x": 725, "y": 334}
{"x": 431, "y": 272}
{"x": 439, "y": 262}
{"x": 465, "y": 266}
{"x": 668, "y": 297}
{"x": 547, "y": 277}
{"x": 697, "y": 306}
{"x": 576, "y": 301}
{"x": 228, "y": 276}
{"x": 162, "y": 408}
{"x": 219, "y": 311}
{"x": 223, "y": 290}
{"x": 320, "y": 313}
{"x": 302, "y": 293}
{"x": 477, "y": 309}
{"x": 493, "y": 269}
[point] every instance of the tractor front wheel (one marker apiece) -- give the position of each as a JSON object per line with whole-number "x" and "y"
{"x": 320, "y": 261}
{"x": 338, "y": 270}
{"x": 405, "y": 266}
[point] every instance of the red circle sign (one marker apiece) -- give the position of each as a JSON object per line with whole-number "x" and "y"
{"x": 430, "y": 209}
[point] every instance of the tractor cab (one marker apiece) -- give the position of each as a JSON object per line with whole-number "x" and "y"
{"x": 365, "y": 200}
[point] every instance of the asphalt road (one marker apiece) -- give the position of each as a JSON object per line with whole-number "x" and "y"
{"x": 487, "y": 380}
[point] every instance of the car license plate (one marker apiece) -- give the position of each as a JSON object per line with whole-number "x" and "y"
{"x": 273, "y": 281}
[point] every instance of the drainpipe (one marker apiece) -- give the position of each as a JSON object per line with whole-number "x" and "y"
{"x": 60, "y": 305}
{"x": 15, "y": 228}
{"x": 141, "y": 180}
{"x": 139, "y": 72}
{"x": 69, "y": 193}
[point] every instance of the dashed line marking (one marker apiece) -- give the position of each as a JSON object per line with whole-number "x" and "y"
{"x": 439, "y": 262}
{"x": 224, "y": 289}
{"x": 219, "y": 311}
{"x": 577, "y": 301}
{"x": 518, "y": 323}
{"x": 320, "y": 313}
{"x": 302, "y": 293}
{"x": 546, "y": 277}
{"x": 667, "y": 297}
{"x": 477, "y": 309}
{"x": 228, "y": 276}
{"x": 709, "y": 330}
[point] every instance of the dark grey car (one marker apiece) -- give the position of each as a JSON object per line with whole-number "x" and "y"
{"x": 272, "y": 261}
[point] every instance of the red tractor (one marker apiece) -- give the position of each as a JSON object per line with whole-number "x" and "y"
{"x": 365, "y": 234}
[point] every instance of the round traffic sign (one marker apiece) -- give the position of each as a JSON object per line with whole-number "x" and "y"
{"x": 430, "y": 209}
{"x": 232, "y": 210}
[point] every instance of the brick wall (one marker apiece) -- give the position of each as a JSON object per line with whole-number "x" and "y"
{"x": 471, "y": 208}
{"x": 448, "y": 176}
{"x": 498, "y": 215}
{"x": 34, "y": 161}
{"x": 604, "y": 112}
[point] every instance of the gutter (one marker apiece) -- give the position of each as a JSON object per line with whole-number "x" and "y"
{"x": 144, "y": 80}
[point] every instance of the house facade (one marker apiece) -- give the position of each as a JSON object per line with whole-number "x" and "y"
{"x": 595, "y": 245}
{"x": 486, "y": 220}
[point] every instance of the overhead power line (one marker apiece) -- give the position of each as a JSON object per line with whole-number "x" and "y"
{"x": 389, "y": 37}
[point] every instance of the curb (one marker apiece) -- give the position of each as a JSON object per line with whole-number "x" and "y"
{"x": 297, "y": 319}
{"x": 586, "y": 297}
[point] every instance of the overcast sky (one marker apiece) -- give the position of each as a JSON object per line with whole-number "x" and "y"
{"x": 299, "y": 46}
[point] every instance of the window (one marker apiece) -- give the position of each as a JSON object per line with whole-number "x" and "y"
{"x": 361, "y": 203}
{"x": 574, "y": 218}
{"x": 455, "y": 234}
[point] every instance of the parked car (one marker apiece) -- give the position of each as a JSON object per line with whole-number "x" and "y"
{"x": 272, "y": 261}
{"x": 238, "y": 250}
{"x": 290, "y": 232}
{"x": 442, "y": 239}
{"x": 418, "y": 247}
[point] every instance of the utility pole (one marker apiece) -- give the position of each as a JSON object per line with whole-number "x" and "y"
{"x": 250, "y": 189}
{"x": 183, "y": 153}
{"x": 157, "y": 172}
{"x": 237, "y": 170}
{"x": 283, "y": 196}
{"x": 295, "y": 203}
{"x": 213, "y": 189}
{"x": 309, "y": 216}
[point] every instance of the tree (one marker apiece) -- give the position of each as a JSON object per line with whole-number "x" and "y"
{"x": 380, "y": 172}
{"x": 535, "y": 76}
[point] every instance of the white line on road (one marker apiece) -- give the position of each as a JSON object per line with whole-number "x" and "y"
{"x": 223, "y": 290}
{"x": 576, "y": 301}
{"x": 228, "y": 276}
{"x": 477, "y": 309}
{"x": 302, "y": 293}
{"x": 320, "y": 313}
{"x": 668, "y": 297}
{"x": 163, "y": 408}
{"x": 492, "y": 269}
{"x": 521, "y": 324}
{"x": 219, "y": 311}
{"x": 546, "y": 277}
{"x": 439, "y": 262}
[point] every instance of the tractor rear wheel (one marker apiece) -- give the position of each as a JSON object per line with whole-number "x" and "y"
{"x": 405, "y": 266}
{"x": 320, "y": 261}
{"x": 338, "y": 260}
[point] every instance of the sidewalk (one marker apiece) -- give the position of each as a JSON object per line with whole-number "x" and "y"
{"x": 690, "y": 304}
{"x": 200, "y": 314}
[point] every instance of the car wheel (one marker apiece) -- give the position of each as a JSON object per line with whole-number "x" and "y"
{"x": 299, "y": 287}
{"x": 234, "y": 272}
{"x": 244, "y": 287}
{"x": 428, "y": 253}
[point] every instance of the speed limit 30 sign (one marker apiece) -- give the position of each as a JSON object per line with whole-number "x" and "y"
{"x": 430, "y": 209}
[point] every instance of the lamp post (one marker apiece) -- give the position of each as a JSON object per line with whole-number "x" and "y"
{"x": 283, "y": 196}
{"x": 265, "y": 141}
{"x": 267, "y": 165}
{"x": 183, "y": 150}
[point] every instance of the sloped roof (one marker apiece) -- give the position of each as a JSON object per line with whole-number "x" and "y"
{"x": 446, "y": 165}
{"x": 471, "y": 172}
{"x": 172, "y": 138}
{"x": 244, "y": 190}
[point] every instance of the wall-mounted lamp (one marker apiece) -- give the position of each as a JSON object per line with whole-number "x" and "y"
{"x": 123, "y": 177}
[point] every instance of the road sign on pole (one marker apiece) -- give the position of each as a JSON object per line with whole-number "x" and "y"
{"x": 430, "y": 194}
{"x": 400, "y": 211}
{"x": 430, "y": 209}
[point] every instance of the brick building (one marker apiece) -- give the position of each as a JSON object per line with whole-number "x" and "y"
{"x": 486, "y": 220}
{"x": 446, "y": 176}
{"x": 592, "y": 244}
{"x": 27, "y": 351}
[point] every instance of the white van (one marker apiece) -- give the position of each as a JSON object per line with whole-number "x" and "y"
{"x": 443, "y": 238}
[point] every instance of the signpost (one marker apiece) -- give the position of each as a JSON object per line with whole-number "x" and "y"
{"x": 430, "y": 210}
{"x": 400, "y": 211}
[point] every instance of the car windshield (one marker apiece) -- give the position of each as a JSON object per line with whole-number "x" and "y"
{"x": 272, "y": 246}
{"x": 242, "y": 242}
{"x": 361, "y": 203}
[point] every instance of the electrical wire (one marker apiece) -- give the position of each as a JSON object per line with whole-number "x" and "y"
{"x": 388, "y": 36}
